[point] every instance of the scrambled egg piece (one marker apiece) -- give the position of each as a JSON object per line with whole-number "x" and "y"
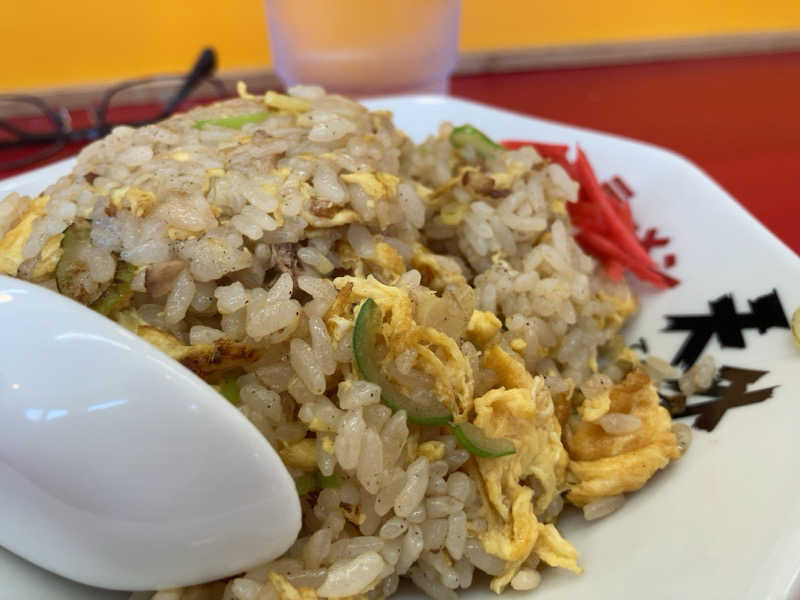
{"x": 203, "y": 359}
{"x": 13, "y": 242}
{"x": 443, "y": 190}
{"x": 50, "y": 255}
{"x": 432, "y": 450}
{"x": 181, "y": 155}
{"x": 518, "y": 345}
{"x": 533, "y": 409}
{"x": 241, "y": 90}
{"x": 376, "y": 185}
{"x": 208, "y": 178}
{"x": 514, "y": 532}
{"x": 438, "y": 355}
{"x": 594, "y": 407}
{"x": 389, "y": 262}
{"x": 286, "y": 591}
{"x": 605, "y": 464}
{"x": 503, "y": 181}
{"x": 412, "y": 445}
{"x": 523, "y": 413}
{"x": 511, "y": 372}
{"x": 301, "y": 454}
{"x": 482, "y": 327}
{"x": 558, "y": 206}
{"x": 386, "y": 263}
{"x": 343, "y": 217}
{"x": 285, "y": 103}
{"x": 437, "y": 271}
{"x": 423, "y": 191}
{"x": 335, "y": 316}
{"x": 625, "y": 306}
{"x": 319, "y": 425}
{"x": 453, "y": 213}
{"x": 328, "y": 445}
{"x": 555, "y": 550}
{"x": 175, "y": 233}
{"x": 138, "y": 202}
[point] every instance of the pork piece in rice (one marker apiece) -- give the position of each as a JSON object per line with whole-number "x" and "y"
{"x": 245, "y": 238}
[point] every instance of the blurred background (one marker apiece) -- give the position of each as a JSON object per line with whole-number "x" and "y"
{"x": 49, "y": 43}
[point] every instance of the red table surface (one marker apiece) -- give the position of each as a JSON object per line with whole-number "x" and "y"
{"x": 738, "y": 118}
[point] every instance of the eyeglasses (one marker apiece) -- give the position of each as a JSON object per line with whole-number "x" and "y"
{"x": 31, "y": 130}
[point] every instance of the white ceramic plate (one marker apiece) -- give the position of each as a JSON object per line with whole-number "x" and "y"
{"x": 723, "y": 522}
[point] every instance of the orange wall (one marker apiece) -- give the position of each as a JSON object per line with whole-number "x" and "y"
{"x": 56, "y": 42}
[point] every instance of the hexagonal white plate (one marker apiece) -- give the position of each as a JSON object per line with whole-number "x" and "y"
{"x": 723, "y": 522}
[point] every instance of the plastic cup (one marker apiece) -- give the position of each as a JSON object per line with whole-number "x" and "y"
{"x": 365, "y": 47}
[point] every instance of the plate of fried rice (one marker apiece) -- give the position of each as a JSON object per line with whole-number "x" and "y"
{"x": 558, "y": 367}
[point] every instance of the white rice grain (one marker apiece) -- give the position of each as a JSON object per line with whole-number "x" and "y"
{"x": 200, "y": 334}
{"x": 353, "y": 394}
{"x": 361, "y": 240}
{"x": 414, "y": 489}
{"x": 180, "y": 298}
{"x": 321, "y": 344}
{"x": 370, "y": 463}
{"x": 315, "y": 259}
{"x": 465, "y": 570}
{"x": 394, "y": 483}
{"x": 347, "y": 578}
{"x": 434, "y": 533}
{"x": 394, "y": 435}
{"x": 458, "y": 486}
{"x": 376, "y": 415}
{"x": 442, "y": 506}
{"x": 480, "y": 558}
{"x": 266, "y": 402}
{"x": 602, "y": 507}
{"x": 281, "y": 289}
{"x": 683, "y": 433}
{"x": 393, "y": 528}
{"x": 230, "y": 298}
{"x": 438, "y": 567}
{"x": 411, "y": 549}
{"x": 307, "y": 366}
{"x": 619, "y": 423}
{"x": 317, "y": 547}
{"x": 353, "y": 547}
{"x": 456, "y": 535}
{"x": 526, "y": 579}
{"x": 348, "y": 440}
{"x": 266, "y": 318}
{"x": 432, "y": 588}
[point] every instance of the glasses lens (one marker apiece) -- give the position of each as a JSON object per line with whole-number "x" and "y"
{"x": 23, "y": 118}
{"x": 147, "y": 101}
{"x": 27, "y": 133}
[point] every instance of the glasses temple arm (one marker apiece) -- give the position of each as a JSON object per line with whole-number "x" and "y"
{"x": 204, "y": 67}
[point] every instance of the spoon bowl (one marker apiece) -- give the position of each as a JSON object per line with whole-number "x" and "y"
{"x": 119, "y": 467}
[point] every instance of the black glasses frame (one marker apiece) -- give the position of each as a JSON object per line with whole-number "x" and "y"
{"x": 62, "y": 133}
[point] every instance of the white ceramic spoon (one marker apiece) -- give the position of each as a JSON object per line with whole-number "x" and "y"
{"x": 120, "y": 468}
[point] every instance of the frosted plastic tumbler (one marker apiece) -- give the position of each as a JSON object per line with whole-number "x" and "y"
{"x": 365, "y": 47}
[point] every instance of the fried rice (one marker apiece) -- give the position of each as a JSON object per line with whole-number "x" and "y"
{"x": 246, "y": 238}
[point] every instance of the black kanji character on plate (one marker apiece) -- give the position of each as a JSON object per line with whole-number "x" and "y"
{"x": 765, "y": 312}
{"x": 723, "y": 396}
